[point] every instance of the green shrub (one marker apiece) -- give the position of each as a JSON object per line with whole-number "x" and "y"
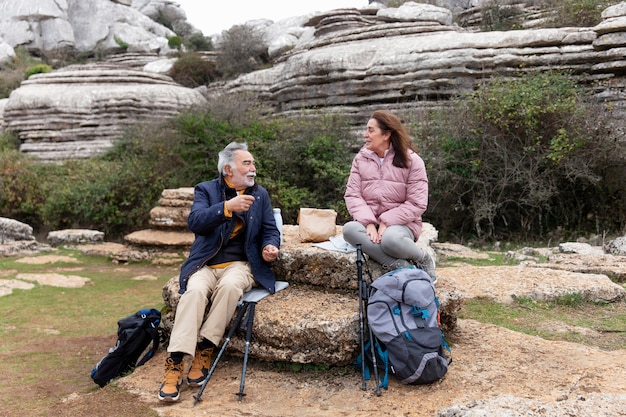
{"x": 23, "y": 190}
{"x": 191, "y": 70}
{"x": 524, "y": 158}
{"x": 198, "y": 42}
{"x": 9, "y": 141}
{"x": 496, "y": 16}
{"x": 298, "y": 166}
{"x": 120, "y": 42}
{"x": 38, "y": 69}
{"x": 14, "y": 72}
{"x": 578, "y": 13}
{"x": 309, "y": 167}
{"x": 174, "y": 42}
{"x": 113, "y": 197}
{"x": 517, "y": 159}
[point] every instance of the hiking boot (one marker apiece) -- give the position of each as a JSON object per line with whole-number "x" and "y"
{"x": 428, "y": 265}
{"x": 200, "y": 367}
{"x": 170, "y": 389}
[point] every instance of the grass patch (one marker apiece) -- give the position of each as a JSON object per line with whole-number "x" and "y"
{"x": 569, "y": 318}
{"x": 52, "y": 337}
{"x": 93, "y": 310}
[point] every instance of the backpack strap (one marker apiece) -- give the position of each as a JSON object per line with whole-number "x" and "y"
{"x": 152, "y": 327}
{"x": 384, "y": 356}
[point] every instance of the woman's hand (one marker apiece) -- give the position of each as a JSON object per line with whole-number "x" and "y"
{"x": 373, "y": 233}
{"x": 381, "y": 229}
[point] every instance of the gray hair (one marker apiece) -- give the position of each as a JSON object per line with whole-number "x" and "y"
{"x": 227, "y": 155}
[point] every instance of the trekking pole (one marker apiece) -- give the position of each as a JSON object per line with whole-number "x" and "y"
{"x": 249, "y": 323}
{"x": 365, "y": 293}
{"x": 374, "y": 361}
{"x": 359, "y": 275}
{"x": 240, "y": 311}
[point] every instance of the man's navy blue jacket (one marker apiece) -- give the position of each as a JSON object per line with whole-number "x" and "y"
{"x": 212, "y": 230}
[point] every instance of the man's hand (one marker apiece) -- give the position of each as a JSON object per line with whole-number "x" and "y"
{"x": 240, "y": 203}
{"x": 270, "y": 253}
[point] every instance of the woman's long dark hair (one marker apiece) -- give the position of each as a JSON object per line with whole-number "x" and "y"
{"x": 400, "y": 139}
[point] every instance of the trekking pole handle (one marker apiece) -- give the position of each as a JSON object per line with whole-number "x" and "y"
{"x": 359, "y": 253}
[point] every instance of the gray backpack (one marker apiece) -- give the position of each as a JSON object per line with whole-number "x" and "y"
{"x": 403, "y": 314}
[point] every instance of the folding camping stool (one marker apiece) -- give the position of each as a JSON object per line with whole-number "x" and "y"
{"x": 246, "y": 304}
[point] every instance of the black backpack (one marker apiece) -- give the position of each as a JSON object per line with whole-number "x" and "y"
{"x": 135, "y": 334}
{"x": 403, "y": 314}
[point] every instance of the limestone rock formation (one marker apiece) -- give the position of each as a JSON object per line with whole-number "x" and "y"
{"x": 12, "y": 230}
{"x": 7, "y": 53}
{"x": 16, "y": 238}
{"x": 49, "y": 27}
{"x": 314, "y": 320}
{"x": 80, "y": 110}
{"x": 412, "y": 58}
{"x": 169, "y": 219}
{"x": 346, "y": 61}
{"x": 74, "y": 236}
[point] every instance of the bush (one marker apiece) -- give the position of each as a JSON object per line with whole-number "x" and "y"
{"x": 9, "y": 141}
{"x": 309, "y": 162}
{"x": 198, "y": 42}
{"x": 518, "y": 159}
{"x": 120, "y": 42}
{"x": 113, "y": 193}
{"x": 23, "y": 192}
{"x": 578, "y": 13}
{"x": 522, "y": 158}
{"x": 241, "y": 50}
{"x": 38, "y": 69}
{"x": 113, "y": 197}
{"x": 496, "y": 16}
{"x": 191, "y": 70}
{"x": 13, "y": 73}
{"x": 299, "y": 166}
{"x": 175, "y": 42}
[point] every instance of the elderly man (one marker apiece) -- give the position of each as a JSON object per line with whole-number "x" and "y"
{"x": 236, "y": 238}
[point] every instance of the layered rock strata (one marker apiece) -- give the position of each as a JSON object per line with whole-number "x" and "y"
{"x": 79, "y": 111}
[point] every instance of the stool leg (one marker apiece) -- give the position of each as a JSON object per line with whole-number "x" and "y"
{"x": 241, "y": 309}
{"x": 249, "y": 325}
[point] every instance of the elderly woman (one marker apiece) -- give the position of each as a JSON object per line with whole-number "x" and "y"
{"x": 386, "y": 194}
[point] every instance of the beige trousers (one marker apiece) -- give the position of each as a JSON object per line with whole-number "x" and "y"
{"x": 225, "y": 287}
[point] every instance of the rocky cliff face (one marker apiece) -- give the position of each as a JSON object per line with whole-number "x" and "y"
{"x": 346, "y": 61}
{"x": 414, "y": 57}
{"x": 49, "y": 27}
{"x": 80, "y": 111}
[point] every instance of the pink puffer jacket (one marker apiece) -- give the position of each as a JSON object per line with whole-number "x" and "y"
{"x": 384, "y": 193}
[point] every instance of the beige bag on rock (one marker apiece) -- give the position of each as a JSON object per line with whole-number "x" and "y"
{"x": 316, "y": 225}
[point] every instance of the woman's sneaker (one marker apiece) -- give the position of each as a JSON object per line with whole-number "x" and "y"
{"x": 428, "y": 265}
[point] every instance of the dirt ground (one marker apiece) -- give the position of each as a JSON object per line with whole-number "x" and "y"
{"x": 488, "y": 361}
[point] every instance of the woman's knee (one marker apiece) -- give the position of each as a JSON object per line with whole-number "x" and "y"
{"x": 353, "y": 231}
{"x": 392, "y": 246}
{"x": 397, "y": 241}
